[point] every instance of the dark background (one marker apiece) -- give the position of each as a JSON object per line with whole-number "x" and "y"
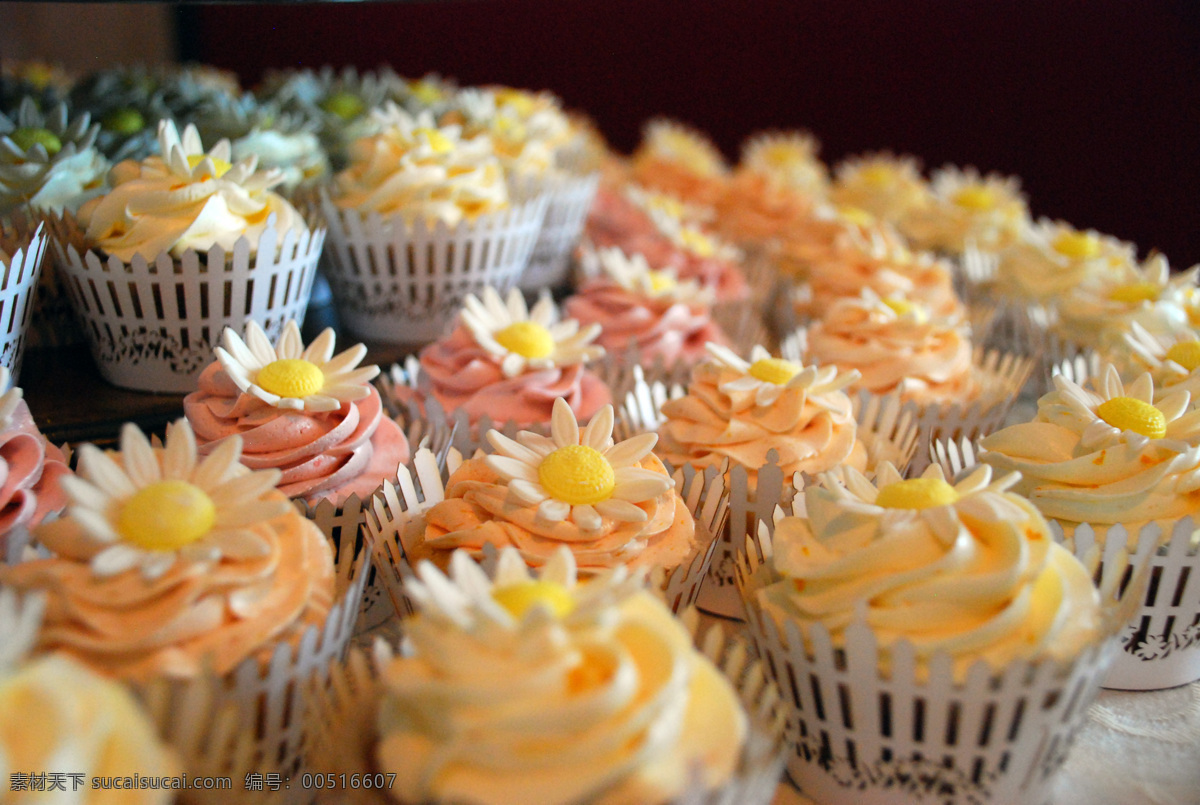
{"x": 1095, "y": 105}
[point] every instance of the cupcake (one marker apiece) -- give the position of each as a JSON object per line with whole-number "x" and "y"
{"x": 646, "y": 310}
{"x": 615, "y": 704}
{"x": 167, "y": 565}
{"x": 48, "y": 162}
{"x": 611, "y": 504}
{"x": 509, "y": 362}
{"x": 966, "y": 209}
{"x": 127, "y": 102}
{"x": 21, "y": 271}
{"x": 31, "y": 469}
{"x": 964, "y": 641}
{"x": 1051, "y": 258}
{"x": 884, "y": 186}
{"x": 311, "y": 415}
{"x": 419, "y": 219}
{"x": 675, "y": 159}
{"x": 236, "y": 251}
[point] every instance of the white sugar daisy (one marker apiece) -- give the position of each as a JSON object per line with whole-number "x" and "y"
{"x": 290, "y": 375}
{"x": 520, "y": 338}
{"x": 788, "y": 157}
{"x": 1116, "y": 414}
{"x": 768, "y": 377}
{"x": 185, "y": 157}
{"x": 578, "y": 474}
{"x": 635, "y": 275}
{"x": 1171, "y": 358}
{"x": 674, "y": 142}
{"x": 691, "y": 238}
{"x": 147, "y": 508}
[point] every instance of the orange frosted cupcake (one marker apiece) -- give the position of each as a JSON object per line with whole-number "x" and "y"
{"x": 676, "y": 159}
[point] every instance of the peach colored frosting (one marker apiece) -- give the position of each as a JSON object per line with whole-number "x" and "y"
{"x": 30, "y": 470}
{"x": 919, "y": 357}
{"x": 322, "y": 454}
{"x": 755, "y": 208}
{"x": 478, "y": 511}
{"x": 462, "y": 374}
{"x": 677, "y": 160}
{"x": 812, "y": 428}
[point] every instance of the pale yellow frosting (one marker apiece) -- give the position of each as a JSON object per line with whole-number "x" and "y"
{"x": 887, "y": 187}
{"x": 965, "y": 208}
{"x": 977, "y": 576}
{"x": 1052, "y": 258}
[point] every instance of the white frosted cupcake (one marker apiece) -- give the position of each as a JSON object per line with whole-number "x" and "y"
{"x": 966, "y": 209}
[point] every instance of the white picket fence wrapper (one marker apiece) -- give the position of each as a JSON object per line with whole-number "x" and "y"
{"x": 403, "y": 284}
{"x": 18, "y": 281}
{"x": 568, "y": 201}
{"x": 918, "y": 732}
{"x": 422, "y": 485}
{"x": 345, "y": 719}
{"x": 1161, "y": 643}
{"x": 886, "y": 426}
{"x": 152, "y": 325}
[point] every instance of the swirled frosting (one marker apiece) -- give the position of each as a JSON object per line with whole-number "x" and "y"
{"x": 1110, "y": 455}
{"x": 729, "y": 413}
{"x": 185, "y": 199}
{"x": 546, "y": 692}
{"x": 421, "y": 172}
{"x": 30, "y": 469}
{"x": 678, "y": 160}
{"x": 969, "y": 570}
{"x": 57, "y": 716}
{"x": 896, "y": 346}
{"x": 756, "y": 208}
{"x": 1052, "y": 258}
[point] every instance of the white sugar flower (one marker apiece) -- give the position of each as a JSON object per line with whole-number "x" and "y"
{"x": 147, "y": 508}
{"x": 788, "y": 157}
{"x": 1170, "y": 358}
{"x": 768, "y": 377}
{"x": 522, "y": 339}
{"x": 885, "y": 186}
{"x": 290, "y": 375}
{"x": 517, "y": 599}
{"x": 10, "y": 399}
{"x": 578, "y": 474}
{"x": 1116, "y": 414}
{"x": 635, "y": 275}
{"x": 692, "y": 238}
{"x": 675, "y": 142}
{"x": 186, "y": 158}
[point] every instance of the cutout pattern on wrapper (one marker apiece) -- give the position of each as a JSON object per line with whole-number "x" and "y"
{"x": 403, "y": 284}
{"x": 915, "y": 730}
{"x": 422, "y": 485}
{"x": 152, "y": 325}
{"x": 18, "y": 281}
{"x": 1161, "y": 643}
{"x": 567, "y": 208}
{"x": 887, "y": 426}
{"x": 344, "y": 720}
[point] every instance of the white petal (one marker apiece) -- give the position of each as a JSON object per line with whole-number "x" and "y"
{"x": 291, "y": 345}
{"x": 621, "y": 510}
{"x": 631, "y": 451}
{"x": 345, "y": 361}
{"x": 586, "y": 517}
{"x": 599, "y": 430}
{"x": 554, "y": 510}
{"x": 179, "y": 456}
{"x": 259, "y": 344}
{"x": 320, "y": 351}
{"x": 156, "y": 563}
{"x": 240, "y": 544}
{"x": 513, "y": 449}
{"x": 98, "y": 467}
{"x": 238, "y": 350}
{"x": 526, "y": 493}
{"x": 115, "y": 560}
{"x": 511, "y": 468}
{"x": 214, "y": 468}
{"x": 512, "y": 364}
{"x": 563, "y": 427}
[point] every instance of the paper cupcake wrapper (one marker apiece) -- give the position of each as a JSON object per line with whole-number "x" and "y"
{"x": 52, "y": 323}
{"x": 152, "y": 325}
{"x": 18, "y": 281}
{"x": 887, "y": 428}
{"x": 345, "y": 521}
{"x": 568, "y": 202}
{"x": 403, "y": 284}
{"x": 1160, "y": 644}
{"x": 422, "y": 485}
{"x": 919, "y": 732}
{"x": 344, "y": 716}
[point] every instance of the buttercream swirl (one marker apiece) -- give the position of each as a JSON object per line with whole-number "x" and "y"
{"x": 30, "y": 471}
{"x": 603, "y": 702}
{"x": 185, "y": 199}
{"x": 1078, "y": 467}
{"x": 678, "y": 160}
{"x": 970, "y": 570}
{"x": 414, "y": 169}
{"x": 896, "y": 346}
{"x": 883, "y": 185}
{"x": 1052, "y": 258}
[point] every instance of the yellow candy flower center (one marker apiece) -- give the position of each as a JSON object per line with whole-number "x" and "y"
{"x": 220, "y": 166}
{"x": 521, "y": 102}
{"x": 425, "y": 92}
{"x": 345, "y": 105}
{"x": 577, "y": 474}
{"x": 916, "y": 493}
{"x": 903, "y": 306}
{"x": 124, "y": 121}
{"x": 166, "y": 516}
{"x": 671, "y": 206}
{"x": 291, "y": 377}
{"x": 1077, "y": 245}
{"x": 878, "y": 175}
{"x": 773, "y": 370}
{"x": 696, "y": 241}
{"x": 526, "y": 338}
{"x": 439, "y": 142}
{"x": 690, "y": 153}
{"x": 975, "y": 197}
{"x": 1186, "y": 354}
{"x": 523, "y": 596}
{"x": 26, "y": 138}
{"x": 1130, "y": 413}
{"x": 1135, "y": 292}
{"x": 661, "y": 281}
{"x": 855, "y": 215}
{"x": 783, "y": 156}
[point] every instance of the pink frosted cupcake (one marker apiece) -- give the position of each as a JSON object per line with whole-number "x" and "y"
{"x": 652, "y": 311}
{"x": 312, "y": 415}
{"x": 511, "y": 362}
